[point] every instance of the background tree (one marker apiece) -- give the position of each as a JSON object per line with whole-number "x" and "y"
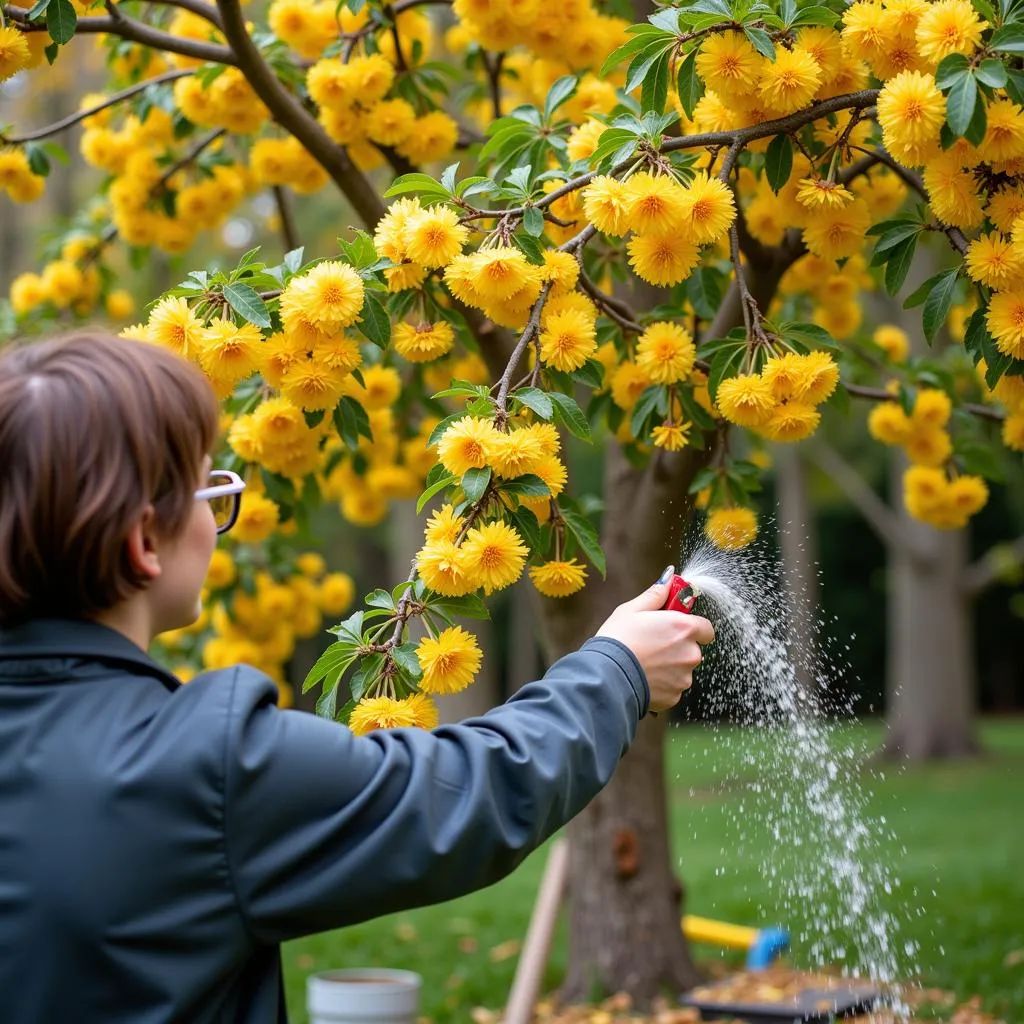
{"x": 734, "y": 155}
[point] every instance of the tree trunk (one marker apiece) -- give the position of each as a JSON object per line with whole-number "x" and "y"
{"x": 931, "y": 678}
{"x": 625, "y": 899}
{"x": 798, "y": 551}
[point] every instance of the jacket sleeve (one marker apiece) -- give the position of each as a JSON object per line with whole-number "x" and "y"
{"x": 324, "y": 829}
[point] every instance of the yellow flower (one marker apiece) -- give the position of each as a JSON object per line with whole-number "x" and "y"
{"x": 14, "y": 52}
{"x": 516, "y": 453}
{"x": 435, "y": 136}
{"x": 173, "y": 325}
{"x": 443, "y": 525}
{"x": 825, "y": 47}
{"x": 731, "y": 528}
{"x": 312, "y": 386}
{"x": 1005, "y": 320}
{"x": 120, "y": 305}
{"x": 567, "y": 340}
{"x": 276, "y": 421}
{"x": 790, "y": 81}
{"x": 818, "y": 377}
{"x": 709, "y": 208}
{"x": 256, "y": 518}
{"x": 494, "y": 555}
{"x": 330, "y": 295}
{"x": 390, "y": 122}
{"x": 381, "y": 713}
{"x": 1013, "y": 431}
{"x": 467, "y": 444}
{"x": 953, "y": 192}
{"x": 558, "y": 578}
{"x": 337, "y": 592}
{"x": 424, "y": 711}
{"x": 817, "y": 192}
{"x": 837, "y": 232}
{"x": 665, "y": 258}
{"x": 746, "y": 400}
{"x": 932, "y": 408}
{"x": 221, "y": 572}
{"x": 389, "y": 235}
{"x": 231, "y": 353}
{"x": 404, "y": 277}
{"x": 443, "y": 568}
{"x": 924, "y": 490}
{"x": 927, "y": 446}
{"x": 948, "y": 26}
{"x": 666, "y": 353}
{"x": 434, "y": 237}
{"x": 888, "y": 423}
{"x": 382, "y": 386}
{"x": 502, "y": 271}
{"x": 654, "y": 203}
{"x": 1004, "y": 136}
{"x": 562, "y": 270}
{"x": 994, "y": 261}
{"x": 584, "y": 138}
{"x": 27, "y": 292}
{"x": 911, "y": 111}
{"x": 784, "y": 375}
{"x": 791, "y": 421}
{"x": 893, "y": 341}
{"x": 449, "y": 661}
{"x": 671, "y": 436}
{"x": 422, "y": 342}
{"x": 606, "y": 205}
{"x": 309, "y": 563}
{"x": 864, "y": 29}
{"x": 728, "y": 64}
{"x": 967, "y": 495}
{"x": 1005, "y": 205}
{"x": 628, "y": 383}
{"x": 338, "y": 352}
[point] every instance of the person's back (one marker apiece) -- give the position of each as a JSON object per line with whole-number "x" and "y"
{"x": 158, "y": 842}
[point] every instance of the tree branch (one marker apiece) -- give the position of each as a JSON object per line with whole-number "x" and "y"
{"x": 494, "y": 79}
{"x": 989, "y": 569}
{"x": 291, "y": 116}
{"x": 881, "y": 395}
{"x": 137, "y": 32}
{"x": 615, "y": 309}
{"x": 289, "y": 232}
{"x": 875, "y": 511}
{"x": 110, "y": 101}
{"x": 197, "y": 7}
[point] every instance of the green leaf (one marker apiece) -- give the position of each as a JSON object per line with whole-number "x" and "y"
{"x": 535, "y": 399}
{"x": 611, "y": 141}
{"x": 666, "y": 20}
{"x": 778, "y": 161}
{"x": 247, "y": 304}
{"x": 438, "y": 432}
{"x": 936, "y": 306}
{"x": 646, "y": 405}
{"x": 37, "y": 10}
{"x": 920, "y": 293}
{"x": 327, "y": 703}
{"x": 570, "y": 415}
{"x": 1008, "y": 39}
{"x": 434, "y": 488}
{"x": 423, "y": 184}
{"x": 895, "y": 236}
{"x": 293, "y": 259}
{"x": 704, "y": 290}
{"x": 761, "y": 41}
{"x": 331, "y": 666}
{"x": 360, "y": 251}
{"x": 468, "y": 606}
{"x": 533, "y": 221}
{"x": 590, "y": 374}
{"x": 367, "y": 673}
{"x": 815, "y": 15}
{"x": 898, "y": 264}
{"x": 654, "y": 92}
{"x": 586, "y": 536}
{"x": 951, "y": 69}
{"x": 406, "y": 659}
{"x": 975, "y": 132}
{"x": 689, "y": 85}
{"x": 375, "y": 322}
{"x": 992, "y": 72}
{"x": 529, "y": 485}
{"x": 380, "y": 599}
{"x": 808, "y": 334}
{"x": 526, "y": 523}
{"x": 1015, "y": 85}
{"x": 475, "y": 481}
{"x": 37, "y": 162}
{"x": 563, "y": 89}
{"x": 61, "y": 21}
{"x": 960, "y": 103}
{"x": 725, "y": 364}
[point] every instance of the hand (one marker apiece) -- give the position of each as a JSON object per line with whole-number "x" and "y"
{"x": 667, "y": 644}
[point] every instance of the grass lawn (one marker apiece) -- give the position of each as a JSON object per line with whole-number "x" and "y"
{"x": 958, "y": 856}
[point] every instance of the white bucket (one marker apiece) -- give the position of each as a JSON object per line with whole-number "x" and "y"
{"x": 363, "y": 996}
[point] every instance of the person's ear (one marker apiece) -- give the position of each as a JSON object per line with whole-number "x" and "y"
{"x": 143, "y": 542}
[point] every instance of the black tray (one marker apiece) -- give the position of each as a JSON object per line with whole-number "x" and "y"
{"x": 805, "y": 1007}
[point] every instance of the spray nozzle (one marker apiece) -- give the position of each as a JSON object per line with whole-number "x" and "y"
{"x": 682, "y": 596}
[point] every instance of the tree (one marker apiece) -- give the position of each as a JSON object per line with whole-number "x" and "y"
{"x": 736, "y": 155}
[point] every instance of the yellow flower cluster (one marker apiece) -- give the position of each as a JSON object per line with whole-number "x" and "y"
{"x": 670, "y": 221}
{"x": 731, "y": 527}
{"x": 780, "y": 402}
{"x": 922, "y": 434}
{"x": 15, "y": 54}
{"x": 1009, "y": 392}
{"x": 355, "y": 112}
{"x": 16, "y": 177}
{"x": 229, "y": 101}
{"x": 941, "y": 502}
{"x": 417, "y": 710}
{"x": 70, "y": 282}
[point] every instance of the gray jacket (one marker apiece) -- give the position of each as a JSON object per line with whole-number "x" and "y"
{"x": 158, "y": 841}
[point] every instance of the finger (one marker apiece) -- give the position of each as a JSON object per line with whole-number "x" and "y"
{"x": 654, "y": 596}
{"x": 700, "y": 629}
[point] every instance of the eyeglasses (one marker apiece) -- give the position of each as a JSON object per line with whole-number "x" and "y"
{"x": 224, "y": 493}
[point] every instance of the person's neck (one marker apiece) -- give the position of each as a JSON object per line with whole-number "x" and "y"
{"x": 131, "y": 619}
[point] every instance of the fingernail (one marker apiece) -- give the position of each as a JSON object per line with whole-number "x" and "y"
{"x": 667, "y": 574}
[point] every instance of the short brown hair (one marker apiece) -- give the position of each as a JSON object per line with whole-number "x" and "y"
{"x": 93, "y": 429}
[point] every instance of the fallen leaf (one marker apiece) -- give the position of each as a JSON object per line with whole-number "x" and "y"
{"x": 504, "y": 950}
{"x": 405, "y": 931}
{"x": 468, "y": 944}
{"x": 1014, "y": 957}
{"x": 305, "y": 962}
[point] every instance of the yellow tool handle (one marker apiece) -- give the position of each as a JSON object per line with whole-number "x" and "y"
{"x": 733, "y": 936}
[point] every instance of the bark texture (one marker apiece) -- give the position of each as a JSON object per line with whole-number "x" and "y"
{"x": 932, "y": 674}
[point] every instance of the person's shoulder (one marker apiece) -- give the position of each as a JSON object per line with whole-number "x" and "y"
{"x": 213, "y": 699}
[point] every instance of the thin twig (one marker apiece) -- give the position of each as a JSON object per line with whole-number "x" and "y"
{"x": 289, "y": 231}
{"x": 613, "y": 308}
{"x": 110, "y": 101}
{"x": 494, "y": 79}
{"x": 881, "y": 395}
{"x": 197, "y": 7}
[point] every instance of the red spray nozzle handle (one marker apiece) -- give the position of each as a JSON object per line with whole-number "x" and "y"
{"x": 681, "y": 596}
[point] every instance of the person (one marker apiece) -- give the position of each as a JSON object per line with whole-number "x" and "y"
{"x": 158, "y": 841}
